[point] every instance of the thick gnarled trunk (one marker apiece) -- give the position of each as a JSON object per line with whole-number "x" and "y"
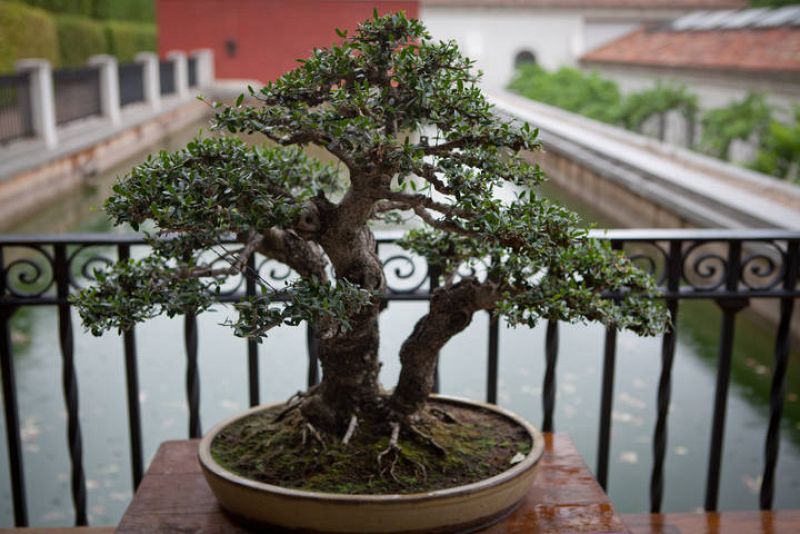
{"x": 451, "y": 311}
{"x": 349, "y": 359}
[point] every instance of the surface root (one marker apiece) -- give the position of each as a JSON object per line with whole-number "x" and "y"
{"x": 396, "y": 453}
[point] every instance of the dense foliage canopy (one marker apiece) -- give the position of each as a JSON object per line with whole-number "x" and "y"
{"x": 413, "y": 136}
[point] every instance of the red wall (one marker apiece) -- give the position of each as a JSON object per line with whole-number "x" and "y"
{"x": 269, "y": 34}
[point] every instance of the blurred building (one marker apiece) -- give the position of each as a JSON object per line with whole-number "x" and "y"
{"x": 719, "y": 56}
{"x": 261, "y": 39}
{"x": 554, "y": 33}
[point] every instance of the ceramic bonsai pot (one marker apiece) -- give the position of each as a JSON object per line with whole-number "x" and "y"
{"x": 461, "y": 508}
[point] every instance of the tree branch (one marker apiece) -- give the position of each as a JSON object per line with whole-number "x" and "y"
{"x": 305, "y": 257}
{"x": 451, "y": 310}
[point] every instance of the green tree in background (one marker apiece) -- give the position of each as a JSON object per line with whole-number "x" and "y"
{"x": 570, "y": 89}
{"x": 26, "y": 32}
{"x": 85, "y": 36}
{"x": 133, "y": 10}
{"x": 773, "y": 3}
{"x": 741, "y": 120}
{"x": 638, "y": 107}
{"x": 780, "y": 150}
{"x": 68, "y": 32}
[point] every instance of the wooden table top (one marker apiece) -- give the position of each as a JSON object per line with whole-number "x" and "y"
{"x": 565, "y": 497}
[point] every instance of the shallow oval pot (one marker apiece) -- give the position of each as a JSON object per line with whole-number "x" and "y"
{"x": 461, "y": 508}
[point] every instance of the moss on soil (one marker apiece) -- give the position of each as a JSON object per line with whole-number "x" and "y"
{"x": 480, "y": 445}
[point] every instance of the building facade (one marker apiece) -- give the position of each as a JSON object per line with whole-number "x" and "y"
{"x": 262, "y": 39}
{"x": 554, "y": 33}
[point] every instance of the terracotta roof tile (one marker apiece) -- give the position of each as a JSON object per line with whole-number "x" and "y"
{"x": 603, "y": 4}
{"x": 773, "y": 49}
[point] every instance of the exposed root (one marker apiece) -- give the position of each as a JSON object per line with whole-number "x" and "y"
{"x": 397, "y": 454}
{"x": 428, "y": 439}
{"x": 444, "y": 415}
{"x": 292, "y": 403}
{"x": 315, "y": 433}
{"x": 351, "y": 429}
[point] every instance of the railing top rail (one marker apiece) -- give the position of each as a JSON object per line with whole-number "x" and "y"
{"x": 75, "y": 72}
{"x": 387, "y": 236}
{"x": 13, "y": 78}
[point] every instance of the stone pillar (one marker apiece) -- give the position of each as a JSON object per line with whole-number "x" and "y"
{"x": 205, "y": 66}
{"x": 181, "y": 71}
{"x": 43, "y": 109}
{"x": 150, "y": 78}
{"x": 109, "y": 86}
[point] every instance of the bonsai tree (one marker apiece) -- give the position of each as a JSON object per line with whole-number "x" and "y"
{"x": 412, "y": 137}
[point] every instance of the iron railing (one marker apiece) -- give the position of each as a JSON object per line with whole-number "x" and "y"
{"x": 191, "y": 67}
{"x": 131, "y": 83}
{"x": 727, "y": 267}
{"x": 16, "y": 121}
{"x": 77, "y": 93}
{"x": 166, "y": 74}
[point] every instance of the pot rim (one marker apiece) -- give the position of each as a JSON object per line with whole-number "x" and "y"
{"x": 537, "y": 449}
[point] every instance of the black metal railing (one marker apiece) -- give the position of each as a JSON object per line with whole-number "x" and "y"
{"x": 191, "y": 67}
{"x": 131, "y": 83}
{"x": 16, "y": 121}
{"x": 77, "y": 93}
{"x": 727, "y": 267}
{"x": 166, "y": 74}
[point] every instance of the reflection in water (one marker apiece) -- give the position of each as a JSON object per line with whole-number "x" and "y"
{"x": 223, "y": 371}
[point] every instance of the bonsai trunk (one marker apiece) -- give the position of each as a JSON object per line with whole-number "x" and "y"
{"x": 350, "y": 365}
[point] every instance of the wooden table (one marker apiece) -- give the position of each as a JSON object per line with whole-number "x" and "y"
{"x": 565, "y": 497}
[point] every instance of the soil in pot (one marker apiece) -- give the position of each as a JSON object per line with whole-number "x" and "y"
{"x": 452, "y": 446}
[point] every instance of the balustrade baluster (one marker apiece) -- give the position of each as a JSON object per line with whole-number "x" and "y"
{"x": 665, "y": 380}
{"x": 70, "y": 383}
{"x": 549, "y": 389}
{"x": 778, "y": 386}
{"x": 730, "y": 308}
{"x": 132, "y": 389}
{"x": 312, "y": 342}
{"x": 192, "y": 374}
{"x": 252, "y": 346}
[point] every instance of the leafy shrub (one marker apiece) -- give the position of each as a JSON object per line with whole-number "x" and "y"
{"x": 79, "y": 38}
{"x": 26, "y": 32}
{"x": 132, "y": 10}
{"x": 662, "y": 98}
{"x": 738, "y": 120}
{"x": 126, "y": 39}
{"x": 780, "y": 150}
{"x": 570, "y": 89}
{"x": 72, "y": 7}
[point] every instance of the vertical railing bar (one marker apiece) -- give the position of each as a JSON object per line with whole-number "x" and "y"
{"x": 491, "y": 374}
{"x": 549, "y": 389}
{"x": 132, "y": 390}
{"x": 607, "y": 398}
{"x": 252, "y": 346}
{"x": 11, "y": 409}
{"x": 192, "y": 374}
{"x": 729, "y": 310}
{"x": 663, "y": 399}
{"x": 606, "y": 404}
{"x": 312, "y": 342}
{"x": 434, "y": 273}
{"x": 778, "y": 385}
{"x": 70, "y": 383}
